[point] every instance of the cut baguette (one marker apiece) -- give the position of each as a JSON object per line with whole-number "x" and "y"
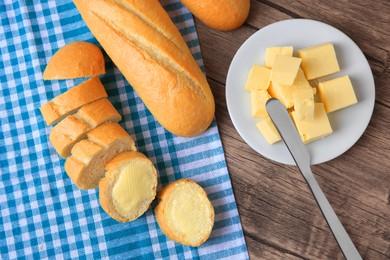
{"x": 129, "y": 186}
{"x": 86, "y": 165}
{"x": 75, "y": 127}
{"x": 75, "y": 60}
{"x": 145, "y": 45}
{"x": 184, "y": 213}
{"x": 70, "y": 101}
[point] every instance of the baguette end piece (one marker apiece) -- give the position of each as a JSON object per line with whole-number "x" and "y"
{"x": 75, "y": 60}
{"x": 220, "y": 15}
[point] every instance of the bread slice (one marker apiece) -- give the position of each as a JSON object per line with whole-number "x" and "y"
{"x": 128, "y": 187}
{"x": 70, "y": 101}
{"x": 184, "y": 213}
{"x": 86, "y": 165}
{"x": 75, "y": 60}
{"x": 75, "y": 127}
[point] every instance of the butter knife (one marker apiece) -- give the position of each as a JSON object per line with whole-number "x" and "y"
{"x": 291, "y": 138}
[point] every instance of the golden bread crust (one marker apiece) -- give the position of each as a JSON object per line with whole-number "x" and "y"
{"x": 102, "y": 144}
{"x": 161, "y": 214}
{"x": 75, "y": 127}
{"x": 70, "y": 101}
{"x": 107, "y": 183}
{"x": 75, "y": 60}
{"x": 147, "y": 48}
{"x": 223, "y": 15}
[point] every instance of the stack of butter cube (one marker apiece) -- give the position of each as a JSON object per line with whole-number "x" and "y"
{"x": 290, "y": 79}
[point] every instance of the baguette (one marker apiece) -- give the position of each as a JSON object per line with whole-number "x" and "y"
{"x": 184, "y": 213}
{"x": 223, "y": 15}
{"x": 70, "y": 101}
{"x": 75, "y": 127}
{"x": 86, "y": 165}
{"x": 129, "y": 186}
{"x": 145, "y": 45}
{"x": 75, "y": 60}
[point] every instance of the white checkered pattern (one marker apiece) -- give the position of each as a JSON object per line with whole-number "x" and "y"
{"x": 43, "y": 215}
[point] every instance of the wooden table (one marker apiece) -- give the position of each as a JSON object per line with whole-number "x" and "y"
{"x": 278, "y": 213}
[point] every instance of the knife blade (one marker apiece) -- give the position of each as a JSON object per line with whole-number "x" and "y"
{"x": 301, "y": 156}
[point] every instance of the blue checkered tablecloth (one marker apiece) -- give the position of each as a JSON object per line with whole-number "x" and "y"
{"x": 43, "y": 215}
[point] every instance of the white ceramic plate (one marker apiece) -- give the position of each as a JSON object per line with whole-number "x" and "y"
{"x": 348, "y": 124}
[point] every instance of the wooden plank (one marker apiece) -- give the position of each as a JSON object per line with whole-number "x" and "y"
{"x": 263, "y": 250}
{"x": 279, "y": 215}
{"x": 218, "y": 48}
{"x": 366, "y": 22}
{"x": 221, "y": 46}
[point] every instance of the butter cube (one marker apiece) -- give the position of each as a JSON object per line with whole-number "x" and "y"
{"x": 258, "y": 101}
{"x": 304, "y": 104}
{"x": 300, "y": 81}
{"x": 319, "y": 60}
{"x": 285, "y": 70}
{"x": 285, "y": 94}
{"x": 337, "y": 93}
{"x": 270, "y": 54}
{"x": 315, "y": 129}
{"x": 268, "y": 130}
{"x": 258, "y": 78}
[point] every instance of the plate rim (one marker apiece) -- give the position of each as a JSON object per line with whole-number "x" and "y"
{"x": 350, "y": 41}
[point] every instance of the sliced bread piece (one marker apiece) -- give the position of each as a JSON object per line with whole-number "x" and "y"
{"x": 75, "y": 127}
{"x": 129, "y": 186}
{"x": 86, "y": 165}
{"x": 70, "y": 101}
{"x": 184, "y": 213}
{"x": 75, "y": 60}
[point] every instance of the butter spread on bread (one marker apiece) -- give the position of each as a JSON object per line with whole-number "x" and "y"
{"x": 75, "y": 60}
{"x": 184, "y": 213}
{"x": 75, "y": 127}
{"x": 129, "y": 186}
{"x": 70, "y": 101}
{"x": 89, "y": 156}
{"x": 145, "y": 45}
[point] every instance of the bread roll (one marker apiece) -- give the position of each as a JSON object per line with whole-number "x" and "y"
{"x": 224, "y": 15}
{"x": 129, "y": 186}
{"x": 75, "y": 127}
{"x": 184, "y": 213}
{"x": 75, "y": 60}
{"x": 86, "y": 165}
{"x": 145, "y": 45}
{"x": 70, "y": 101}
